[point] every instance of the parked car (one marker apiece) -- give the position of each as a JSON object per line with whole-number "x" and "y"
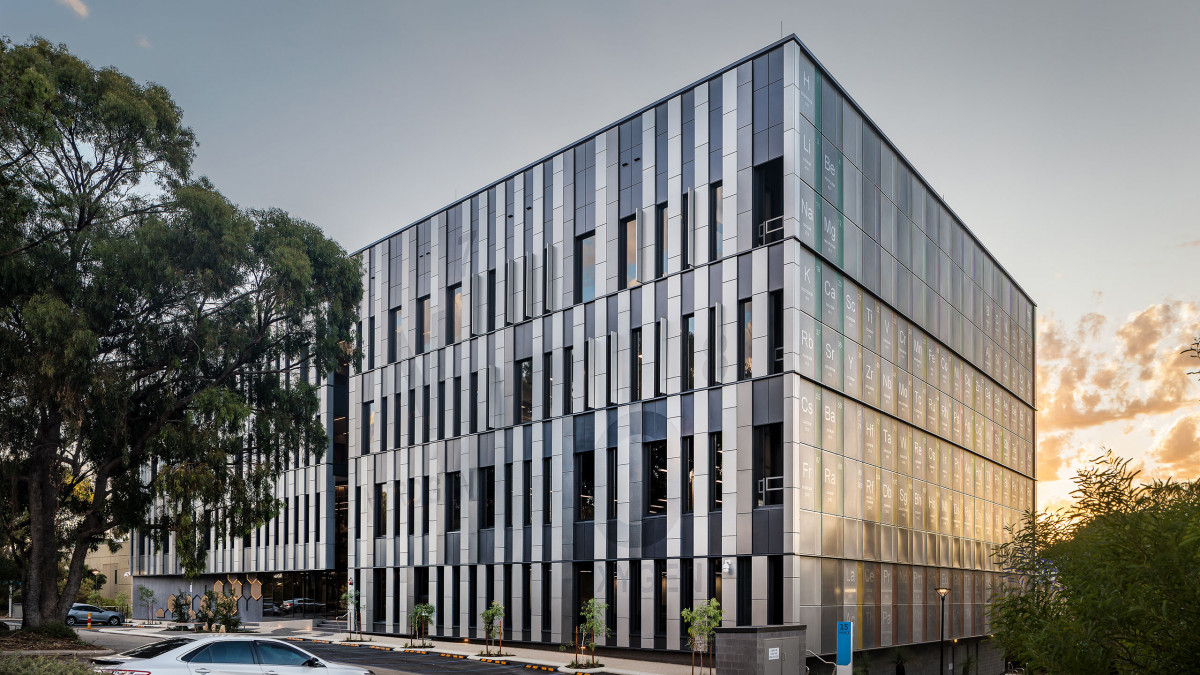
{"x": 302, "y": 605}
{"x": 222, "y": 653}
{"x": 78, "y": 614}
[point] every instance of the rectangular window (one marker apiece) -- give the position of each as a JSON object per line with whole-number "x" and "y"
{"x": 568, "y": 379}
{"x": 308, "y": 518}
{"x": 380, "y": 510}
{"x": 523, "y": 401}
{"x": 456, "y": 423}
{"x": 453, "y": 501}
{"x": 473, "y": 403}
{"x": 316, "y": 517}
{"x": 397, "y": 441}
{"x": 426, "y": 414}
{"x": 491, "y": 300}
{"x": 658, "y": 358}
{"x": 358, "y": 507}
{"x": 587, "y": 380}
{"x": 635, "y": 365}
{"x": 612, "y": 483}
{"x": 775, "y": 331}
{"x": 547, "y": 385}
{"x": 454, "y": 314}
{"x": 487, "y": 501}
{"x": 423, "y": 325}
{"x": 383, "y": 424}
{"x": 656, "y": 478}
{"x": 689, "y": 352}
{"x": 527, "y": 494}
{"x": 368, "y": 426}
{"x": 660, "y": 240}
{"x": 716, "y": 222}
{"x": 412, "y": 508}
{"x": 441, "y": 410}
{"x": 635, "y": 598}
{"x": 585, "y": 485}
{"x": 745, "y": 339}
{"x": 508, "y": 494}
{"x": 660, "y": 598}
{"x": 412, "y": 416}
{"x": 547, "y": 492}
{"x": 714, "y": 471}
{"x": 628, "y": 250}
{"x": 395, "y": 329}
{"x": 768, "y": 202}
{"x": 686, "y": 238}
{"x": 371, "y": 343}
{"x": 768, "y": 465}
{"x": 585, "y": 268}
{"x": 426, "y": 504}
{"x": 396, "y": 511}
{"x": 714, "y": 354}
{"x": 774, "y": 590}
{"x": 689, "y": 474}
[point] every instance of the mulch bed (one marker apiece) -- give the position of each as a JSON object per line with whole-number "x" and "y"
{"x": 26, "y": 641}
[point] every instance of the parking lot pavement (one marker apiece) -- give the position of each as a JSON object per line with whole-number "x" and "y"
{"x": 408, "y": 662}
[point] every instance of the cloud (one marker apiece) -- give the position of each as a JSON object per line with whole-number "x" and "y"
{"x": 1179, "y": 449}
{"x": 1054, "y": 451}
{"x": 76, "y": 6}
{"x": 1194, "y": 242}
{"x": 144, "y": 42}
{"x": 1091, "y": 374}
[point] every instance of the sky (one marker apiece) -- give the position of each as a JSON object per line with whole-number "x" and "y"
{"x": 1064, "y": 135}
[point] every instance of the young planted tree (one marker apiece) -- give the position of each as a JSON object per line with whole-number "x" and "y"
{"x": 159, "y": 347}
{"x": 1108, "y": 585}
{"x": 594, "y": 627}
{"x": 493, "y": 624}
{"x": 418, "y": 618}
{"x": 702, "y": 623}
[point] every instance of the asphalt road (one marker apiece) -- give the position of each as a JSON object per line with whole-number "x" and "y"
{"x": 380, "y": 661}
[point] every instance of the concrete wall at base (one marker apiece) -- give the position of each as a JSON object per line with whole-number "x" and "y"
{"x": 164, "y": 587}
{"x": 743, "y": 650}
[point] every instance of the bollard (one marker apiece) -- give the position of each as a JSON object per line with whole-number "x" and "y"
{"x": 89, "y": 619}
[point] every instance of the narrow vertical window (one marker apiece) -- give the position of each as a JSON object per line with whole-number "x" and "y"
{"x": 547, "y": 492}
{"x": 768, "y": 202}
{"x": 380, "y": 510}
{"x": 656, "y": 478}
{"x": 473, "y": 403}
{"x": 746, "y": 338}
{"x": 412, "y": 416}
{"x": 628, "y": 250}
{"x": 689, "y": 474}
{"x": 487, "y": 504}
{"x": 383, "y": 424}
{"x": 371, "y": 343}
{"x": 527, "y": 493}
{"x": 715, "y": 470}
{"x": 396, "y": 510}
{"x": 612, "y": 483}
{"x": 316, "y": 518}
{"x": 585, "y": 479}
{"x": 441, "y": 406}
{"x": 453, "y": 501}
{"x": 508, "y": 494}
{"x": 395, "y": 326}
{"x": 523, "y": 405}
{"x": 587, "y": 375}
{"x": 423, "y": 327}
{"x": 568, "y": 379}
{"x": 426, "y": 414}
{"x": 454, "y": 314}
{"x": 716, "y": 222}
{"x": 397, "y": 427}
{"x": 685, "y": 229}
{"x": 635, "y": 365}
{"x": 456, "y": 421}
{"x": 658, "y": 357}
{"x": 368, "y": 426}
{"x": 547, "y": 385}
{"x": 775, "y": 331}
{"x": 660, "y": 240}
{"x": 412, "y": 507}
{"x": 714, "y": 352}
{"x": 689, "y": 352}
{"x": 585, "y": 268}
{"x": 426, "y": 499}
{"x": 491, "y": 300}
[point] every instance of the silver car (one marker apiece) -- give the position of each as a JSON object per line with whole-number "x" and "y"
{"x": 78, "y": 614}
{"x": 222, "y": 655}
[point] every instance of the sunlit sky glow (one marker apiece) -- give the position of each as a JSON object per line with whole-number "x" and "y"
{"x": 1064, "y": 134}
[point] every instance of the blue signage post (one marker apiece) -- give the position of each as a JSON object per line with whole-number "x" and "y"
{"x": 845, "y": 647}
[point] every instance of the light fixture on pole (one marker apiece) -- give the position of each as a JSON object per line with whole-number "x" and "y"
{"x": 943, "y": 592}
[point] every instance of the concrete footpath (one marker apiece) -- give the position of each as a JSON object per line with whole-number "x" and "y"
{"x": 545, "y": 658}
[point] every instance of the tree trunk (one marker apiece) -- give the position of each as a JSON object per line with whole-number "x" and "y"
{"x": 42, "y": 603}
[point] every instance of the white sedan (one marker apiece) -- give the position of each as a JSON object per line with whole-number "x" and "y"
{"x": 221, "y": 655}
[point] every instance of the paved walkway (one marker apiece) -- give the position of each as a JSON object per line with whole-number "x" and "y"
{"x": 550, "y": 659}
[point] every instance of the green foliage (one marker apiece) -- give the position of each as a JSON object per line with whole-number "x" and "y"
{"x": 493, "y": 620}
{"x": 218, "y": 610}
{"x": 146, "y": 597}
{"x": 148, "y": 328}
{"x": 702, "y": 623}
{"x": 181, "y": 607}
{"x": 54, "y": 629}
{"x": 418, "y": 618}
{"x": 1108, "y": 585}
{"x": 593, "y": 626}
{"x": 41, "y": 665}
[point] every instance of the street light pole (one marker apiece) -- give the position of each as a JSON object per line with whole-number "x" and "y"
{"x": 943, "y": 592}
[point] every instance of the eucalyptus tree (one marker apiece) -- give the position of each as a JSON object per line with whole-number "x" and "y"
{"x": 160, "y": 348}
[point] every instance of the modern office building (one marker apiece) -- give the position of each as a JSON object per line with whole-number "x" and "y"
{"x": 732, "y": 345}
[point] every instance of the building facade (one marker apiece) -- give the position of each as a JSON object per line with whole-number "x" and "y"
{"x": 730, "y": 346}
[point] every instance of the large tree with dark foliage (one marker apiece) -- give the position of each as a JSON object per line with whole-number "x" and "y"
{"x": 159, "y": 346}
{"x": 1109, "y": 585}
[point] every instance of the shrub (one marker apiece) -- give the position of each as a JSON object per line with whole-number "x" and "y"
{"x": 56, "y": 629}
{"x": 25, "y": 665}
